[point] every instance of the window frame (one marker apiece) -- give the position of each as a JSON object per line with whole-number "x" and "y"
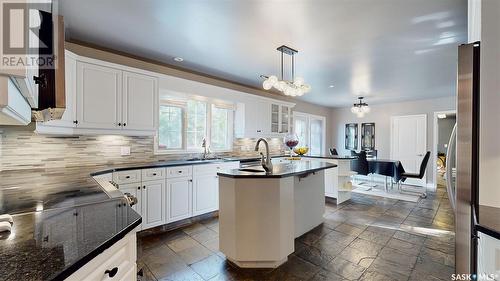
{"x": 208, "y": 127}
{"x": 309, "y": 118}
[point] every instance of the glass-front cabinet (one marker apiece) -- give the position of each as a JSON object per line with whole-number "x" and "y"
{"x": 280, "y": 119}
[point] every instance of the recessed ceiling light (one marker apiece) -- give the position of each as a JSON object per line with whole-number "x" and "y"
{"x": 179, "y": 59}
{"x": 331, "y": 86}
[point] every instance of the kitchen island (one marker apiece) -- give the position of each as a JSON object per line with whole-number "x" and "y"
{"x": 261, "y": 213}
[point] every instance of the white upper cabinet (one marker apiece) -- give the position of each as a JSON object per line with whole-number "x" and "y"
{"x": 140, "y": 93}
{"x": 106, "y": 98}
{"x": 261, "y": 117}
{"x": 99, "y": 93}
{"x": 280, "y": 118}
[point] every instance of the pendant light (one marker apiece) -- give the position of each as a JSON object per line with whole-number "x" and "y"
{"x": 293, "y": 87}
{"x": 361, "y": 108}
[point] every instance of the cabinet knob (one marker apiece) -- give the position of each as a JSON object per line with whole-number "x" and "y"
{"x": 127, "y": 177}
{"x": 154, "y": 174}
{"x": 138, "y": 187}
{"x": 119, "y": 124}
{"x": 124, "y": 124}
{"x": 111, "y": 272}
{"x": 259, "y": 131}
{"x": 144, "y": 187}
{"x": 190, "y": 180}
{"x": 75, "y": 122}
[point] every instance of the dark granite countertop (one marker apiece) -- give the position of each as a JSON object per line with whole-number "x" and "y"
{"x": 339, "y": 157}
{"x": 488, "y": 221}
{"x": 53, "y": 244}
{"x": 162, "y": 164}
{"x": 280, "y": 170}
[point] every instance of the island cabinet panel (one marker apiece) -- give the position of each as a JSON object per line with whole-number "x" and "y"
{"x": 309, "y": 188}
{"x": 153, "y": 203}
{"x": 205, "y": 194}
{"x": 179, "y": 198}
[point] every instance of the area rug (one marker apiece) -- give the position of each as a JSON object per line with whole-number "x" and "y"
{"x": 392, "y": 194}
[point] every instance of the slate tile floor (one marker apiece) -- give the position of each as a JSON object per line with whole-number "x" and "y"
{"x": 368, "y": 238}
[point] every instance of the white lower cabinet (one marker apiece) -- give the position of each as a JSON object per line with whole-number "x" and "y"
{"x": 179, "y": 198}
{"x": 134, "y": 189}
{"x": 166, "y": 195}
{"x": 115, "y": 263}
{"x": 153, "y": 203}
{"x": 205, "y": 194}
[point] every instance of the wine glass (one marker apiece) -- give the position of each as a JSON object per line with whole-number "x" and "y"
{"x": 291, "y": 140}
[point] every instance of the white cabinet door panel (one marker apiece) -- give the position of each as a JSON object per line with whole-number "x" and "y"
{"x": 205, "y": 194}
{"x": 140, "y": 98}
{"x": 153, "y": 203}
{"x": 99, "y": 91}
{"x": 179, "y": 198}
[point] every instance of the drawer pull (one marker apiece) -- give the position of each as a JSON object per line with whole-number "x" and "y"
{"x": 154, "y": 174}
{"x": 127, "y": 177}
{"x": 180, "y": 172}
{"x": 111, "y": 272}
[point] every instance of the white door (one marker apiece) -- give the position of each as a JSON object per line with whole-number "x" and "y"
{"x": 301, "y": 129}
{"x": 99, "y": 91}
{"x": 179, "y": 198}
{"x": 153, "y": 202}
{"x": 140, "y": 95}
{"x": 409, "y": 143}
{"x": 205, "y": 194}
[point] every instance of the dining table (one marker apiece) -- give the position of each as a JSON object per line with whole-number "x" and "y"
{"x": 386, "y": 167}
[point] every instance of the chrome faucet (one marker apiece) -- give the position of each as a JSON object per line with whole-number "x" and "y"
{"x": 265, "y": 161}
{"x": 206, "y": 150}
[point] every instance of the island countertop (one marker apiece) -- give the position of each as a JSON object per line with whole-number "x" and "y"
{"x": 280, "y": 170}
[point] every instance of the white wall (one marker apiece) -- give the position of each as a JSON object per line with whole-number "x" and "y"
{"x": 381, "y": 116}
{"x": 489, "y": 154}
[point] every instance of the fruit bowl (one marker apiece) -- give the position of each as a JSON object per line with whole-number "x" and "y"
{"x": 301, "y": 150}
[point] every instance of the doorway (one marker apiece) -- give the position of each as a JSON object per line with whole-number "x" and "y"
{"x": 444, "y": 121}
{"x": 409, "y": 143}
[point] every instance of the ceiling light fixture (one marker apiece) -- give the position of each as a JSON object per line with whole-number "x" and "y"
{"x": 293, "y": 87}
{"x": 178, "y": 59}
{"x": 360, "y": 108}
{"x": 331, "y": 86}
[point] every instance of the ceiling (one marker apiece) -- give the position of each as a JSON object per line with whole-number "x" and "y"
{"x": 386, "y": 50}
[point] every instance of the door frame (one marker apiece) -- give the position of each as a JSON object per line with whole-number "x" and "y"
{"x": 309, "y": 117}
{"x": 392, "y": 136}
{"x": 435, "y": 144}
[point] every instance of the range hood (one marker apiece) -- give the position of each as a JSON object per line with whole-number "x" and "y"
{"x": 51, "y": 81}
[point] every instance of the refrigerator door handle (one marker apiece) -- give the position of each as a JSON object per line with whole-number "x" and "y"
{"x": 449, "y": 177}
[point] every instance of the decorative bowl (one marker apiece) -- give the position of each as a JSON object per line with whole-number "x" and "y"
{"x": 301, "y": 150}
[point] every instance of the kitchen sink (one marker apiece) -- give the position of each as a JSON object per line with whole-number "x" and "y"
{"x": 251, "y": 170}
{"x": 203, "y": 159}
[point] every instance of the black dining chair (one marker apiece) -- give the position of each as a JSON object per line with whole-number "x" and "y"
{"x": 420, "y": 175}
{"x": 360, "y": 164}
{"x": 333, "y": 152}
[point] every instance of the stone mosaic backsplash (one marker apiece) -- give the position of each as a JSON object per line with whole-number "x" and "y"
{"x": 21, "y": 148}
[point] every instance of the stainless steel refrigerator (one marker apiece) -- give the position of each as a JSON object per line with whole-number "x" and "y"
{"x": 463, "y": 159}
